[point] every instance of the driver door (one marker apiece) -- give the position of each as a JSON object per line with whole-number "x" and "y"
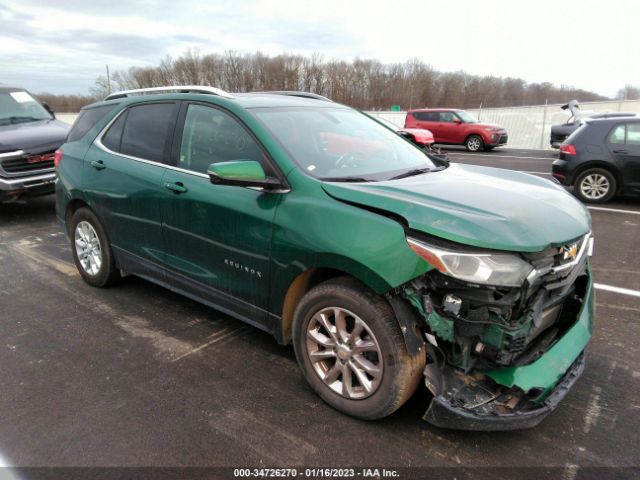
{"x": 217, "y": 237}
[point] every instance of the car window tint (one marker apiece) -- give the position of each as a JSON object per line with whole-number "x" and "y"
{"x": 617, "y": 135}
{"x": 211, "y": 136}
{"x": 146, "y": 130}
{"x": 86, "y": 120}
{"x": 426, "y": 116}
{"x": 112, "y": 138}
{"x": 447, "y": 117}
{"x": 633, "y": 133}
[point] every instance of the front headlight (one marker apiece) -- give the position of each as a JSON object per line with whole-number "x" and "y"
{"x": 499, "y": 269}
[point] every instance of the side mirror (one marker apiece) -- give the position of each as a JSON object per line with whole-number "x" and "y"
{"x": 48, "y": 109}
{"x": 241, "y": 173}
{"x": 457, "y": 121}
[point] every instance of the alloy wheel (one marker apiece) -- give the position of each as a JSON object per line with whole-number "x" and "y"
{"x": 473, "y": 144}
{"x": 88, "y": 247}
{"x": 595, "y": 186}
{"x": 344, "y": 353}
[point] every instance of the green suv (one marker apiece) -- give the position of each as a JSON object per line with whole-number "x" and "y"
{"x": 382, "y": 265}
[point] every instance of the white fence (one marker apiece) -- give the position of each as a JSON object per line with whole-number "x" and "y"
{"x": 529, "y": 127}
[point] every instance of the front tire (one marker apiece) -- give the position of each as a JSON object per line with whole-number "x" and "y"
{"x": 474, "y": 143}
{"x": 91, "y": 250}
{"x": 595, "y": 185}
{"x": 351, "y": 350}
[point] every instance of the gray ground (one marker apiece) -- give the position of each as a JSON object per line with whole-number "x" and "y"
{"x": 137, "y": 376}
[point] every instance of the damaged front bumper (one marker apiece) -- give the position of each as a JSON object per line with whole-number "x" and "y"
{"x": 446, "y": 414}
{"x": 514, "y": 397}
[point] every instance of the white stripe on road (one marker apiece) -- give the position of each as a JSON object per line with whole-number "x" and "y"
{"x": 535, "y": 173}
{"x": 623, "y": 291}
{"x": 500, "y": 156}
{"x": 617, "y": 210}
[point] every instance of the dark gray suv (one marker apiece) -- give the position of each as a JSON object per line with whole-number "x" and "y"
{"x": 601, "y": 159}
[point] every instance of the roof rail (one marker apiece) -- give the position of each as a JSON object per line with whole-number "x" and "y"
{"x": 171, "y": 88}
{"x": 293, "y": 93}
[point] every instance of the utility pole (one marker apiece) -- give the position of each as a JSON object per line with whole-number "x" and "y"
{"x": 108, "y": 82}
{"x": 544, "y": 123}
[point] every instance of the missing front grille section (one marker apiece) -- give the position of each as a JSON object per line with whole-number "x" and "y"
{"x": 488, "y": 327}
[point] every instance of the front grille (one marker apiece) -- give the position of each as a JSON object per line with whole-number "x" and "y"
{"x": 503, "y": 140}
{"x": 28, "y": 163}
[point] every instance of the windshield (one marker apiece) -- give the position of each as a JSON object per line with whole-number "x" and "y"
{"x": 466, "y": 117}
{"x": 20, "y": 107}
{"x": 334, "y": 143}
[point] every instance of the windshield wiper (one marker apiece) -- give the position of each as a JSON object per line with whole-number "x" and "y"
{"x": 345, "y": 179}
{"x": 24, "y": 119}
{"x": 411, "y": 173}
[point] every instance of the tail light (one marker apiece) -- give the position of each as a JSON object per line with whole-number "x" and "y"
{"x": 568, "y": 149}
{"x": 57, "y": 158}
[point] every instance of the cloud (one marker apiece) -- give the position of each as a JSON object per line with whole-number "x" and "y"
{"x": 62, "y": 46}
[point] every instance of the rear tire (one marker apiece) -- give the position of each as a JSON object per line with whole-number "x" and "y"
{"x": 91, "y": 249}
{"x": 368, "y": 374}
{"x": 474, "y": 143}
{"x": 595, "y": 185}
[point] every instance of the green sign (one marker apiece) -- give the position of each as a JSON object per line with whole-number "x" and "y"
{"x": 395, "y": 108}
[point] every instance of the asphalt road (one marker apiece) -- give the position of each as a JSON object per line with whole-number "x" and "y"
{"x": 135, "y": 375}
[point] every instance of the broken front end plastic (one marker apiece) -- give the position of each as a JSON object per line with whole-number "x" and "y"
{"x": 501, "y": 358}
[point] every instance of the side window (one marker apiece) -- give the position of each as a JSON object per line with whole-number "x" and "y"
{"x": 112, "y": 138}
{"x": 633, "y": 133}
{"x": 211, "y": 136}
{"x": 427, "y": 116}
{"x": 618, "y": 134}
{"x": 448, "y": 117}
{"x": 86, "y": 120}
{"x": 146, "y": 130}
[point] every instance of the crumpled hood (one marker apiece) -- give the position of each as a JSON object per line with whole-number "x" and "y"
{"x": 33, "y": 137}
{"x": 478, "y": 206}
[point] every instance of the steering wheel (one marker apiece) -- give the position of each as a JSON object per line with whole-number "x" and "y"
{"x": 350, "y": 159}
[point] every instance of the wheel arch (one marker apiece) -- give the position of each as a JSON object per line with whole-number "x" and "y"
{"x": 306, "y": 280}
{"x": 73, "y": 206}
{"x": 598, "y": 164}
{"x": 475, "y": 133}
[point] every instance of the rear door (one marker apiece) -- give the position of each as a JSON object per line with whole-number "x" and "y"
{"x": 218, "y": 237}
{"x": 430, "y": 121}
{"x": 624, "y": 145}
{"x": 449, "y": 127}
{"x": 122, "y": 179}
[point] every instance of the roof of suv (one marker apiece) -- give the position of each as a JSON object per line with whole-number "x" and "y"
{"x": 10, "y": 88}
{"x": 616, "y": 119}
{"x": 244, "y": 100}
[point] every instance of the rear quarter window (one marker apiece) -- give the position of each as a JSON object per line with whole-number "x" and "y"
{"x": 617, "y": 135}
{"x": 86, "y": 121}
{"x": 633, "y": 133}
{"x": 147, "y": 130}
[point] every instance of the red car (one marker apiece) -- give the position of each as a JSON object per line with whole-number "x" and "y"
{"x": 457, "y": 127}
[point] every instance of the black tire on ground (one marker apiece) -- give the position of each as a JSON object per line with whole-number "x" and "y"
{"x": 401, "y": 373}
{"x": 474, "y": 143}
{"x": 595, "y": 185}
{"x": 107, "y": 273}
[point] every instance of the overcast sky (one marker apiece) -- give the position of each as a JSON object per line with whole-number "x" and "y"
{"x": 61, "y": 46}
